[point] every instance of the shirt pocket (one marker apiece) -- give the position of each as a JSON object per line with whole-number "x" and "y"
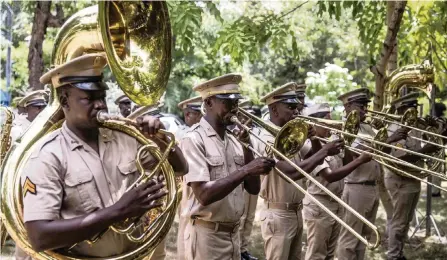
{"x": 239, "y": 161}
{"x": 216, "y": 167}
{"x": 128, "y": 171}
{"x": 80, "y": 191}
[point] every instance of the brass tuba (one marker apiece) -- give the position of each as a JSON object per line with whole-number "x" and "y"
{"x": 136, "y": 38}
{"x": 5, "y": 144}
{"x": 419, "y": 76}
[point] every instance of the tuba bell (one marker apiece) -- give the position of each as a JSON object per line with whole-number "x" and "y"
{"x": 136, "y": 38}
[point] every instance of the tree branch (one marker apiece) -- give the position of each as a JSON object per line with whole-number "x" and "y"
{"x": 58, "y": 19}
{"x": 291, "y": 11}
{"x": 387, "y": 49}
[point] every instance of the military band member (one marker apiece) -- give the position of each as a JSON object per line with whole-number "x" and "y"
{"x": 75, "y": 182}
{"x": 192, "y": 113}
{"x": 34, "y": 103}
{"x": 322, "y": 229}
{"x": 404, "y": 191}
{"x": 301, "y": 95}
{"x": 440, "y": 109}
{"x": 20, "y": 109}
{"x": 282, "y": 223}
{"x": 360, "y": 190}
{"x": 251, "y": 200}
{"x": 219, "y": 170}
{"x": 124, "y": 104}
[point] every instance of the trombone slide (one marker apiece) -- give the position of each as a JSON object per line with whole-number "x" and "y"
{"x": 309, "y": 177}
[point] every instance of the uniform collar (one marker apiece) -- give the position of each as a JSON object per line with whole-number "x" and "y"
{"x": 209, "y": 130}
{"x": 105, "y": 135}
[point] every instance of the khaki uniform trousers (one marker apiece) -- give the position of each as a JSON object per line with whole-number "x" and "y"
{"x": 282, "y": 231}
{"x": 202, "y": 243}
{"x": 365, "y": 200}
{"x": 322, "y": 229}
{"x": 405, "y": 195}
{"x": 247, "y": 219}
{"x": 385, "y": 199}
{"x": 180, "y": 237}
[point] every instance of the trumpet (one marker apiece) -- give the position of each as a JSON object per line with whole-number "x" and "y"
{"x": 297, "y": 129}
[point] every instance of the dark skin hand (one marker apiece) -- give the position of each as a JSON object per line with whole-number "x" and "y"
{"x": 80, "y": 108}
{"x": 53, "y": 234}
{"x": 149, "y": 126}
{"x": 309, "y": 164}
{"x": 340, "y": 173}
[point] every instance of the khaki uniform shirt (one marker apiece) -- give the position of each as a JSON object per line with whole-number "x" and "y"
{"x": 19, "y": 126}
{"x": 181, "y": 131}
{"x": 71, "y": 179}
{"x": 273, "y": 187}
{"x": 408, "y": 143}
{"x": 368, "y": 171}
{"x": 210, "y": 158}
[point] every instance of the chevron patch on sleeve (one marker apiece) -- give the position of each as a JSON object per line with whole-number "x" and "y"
{"x": 29, "y": 187}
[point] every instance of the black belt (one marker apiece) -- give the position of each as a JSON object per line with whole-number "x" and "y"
{"x": 368, "y": 183}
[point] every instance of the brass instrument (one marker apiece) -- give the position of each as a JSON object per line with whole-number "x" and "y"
{"x": 136, "y": 38}
{"x": 409, "y": 120}
{"x": 5, "y": 144}
{"x": 350, "y": 126}
{"x": 295, "y": 133}
{"x": 5, "y": 134}
{"x": 391, "y": 161}
{"x": 421, "y": 77}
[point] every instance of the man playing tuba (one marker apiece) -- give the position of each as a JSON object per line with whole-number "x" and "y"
{"x": 74, "y": 184}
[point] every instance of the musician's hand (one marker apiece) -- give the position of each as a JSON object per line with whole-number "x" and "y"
{"x": 400, "y": 134}
{"x": 141, "y": 199}
{"x": 431, "y": 121}
{"x": 311, "y": 132}
{"x": 259, "y": 166}
{"x": 149, "y": 125}
{"x": 334, "y": 147}
{"x": 242, "y": 134}
{"x": 364, "y": 157}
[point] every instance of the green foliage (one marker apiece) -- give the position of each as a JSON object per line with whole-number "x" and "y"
{"x": 329, "y": 83}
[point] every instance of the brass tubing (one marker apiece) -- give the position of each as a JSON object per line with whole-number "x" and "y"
{"x": 380, "y": 143}
{"x": 235, "y": 120}
{"x": 387, "y": 158}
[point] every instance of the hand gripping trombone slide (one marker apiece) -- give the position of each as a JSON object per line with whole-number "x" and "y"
{"x": 236, "y": 121}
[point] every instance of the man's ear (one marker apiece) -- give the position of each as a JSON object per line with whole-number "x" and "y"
{"x": 63, "y": 99}
{"x": 208, "y": 102}
{"x": 274, "y": 109}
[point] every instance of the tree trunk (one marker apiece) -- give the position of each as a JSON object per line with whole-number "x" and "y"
{"x": 379, "y": 70}
{"x": 35, "y": 54}
{"x": 392, "y": 62}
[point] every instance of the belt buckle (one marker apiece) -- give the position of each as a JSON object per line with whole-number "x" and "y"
{"x": 288, "y": 206}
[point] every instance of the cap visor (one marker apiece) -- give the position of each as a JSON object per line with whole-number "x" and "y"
{"x": 91, "y": 85}
{"x": 290, "y": 101}
{"x": 361, "y": 100}
{"x": 229, "y": 96}
{"x": 37, "y": 104}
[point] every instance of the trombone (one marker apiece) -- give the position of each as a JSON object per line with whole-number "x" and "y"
{"x": 408, "y": 119}
{"x": 289, "y": 140}
{"x": 315, "y": 121}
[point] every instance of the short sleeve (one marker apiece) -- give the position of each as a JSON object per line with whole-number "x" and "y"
{"x": 194, "y": 153}
{"x": 319, "y": 168}
{"x": 42, "y": 188}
